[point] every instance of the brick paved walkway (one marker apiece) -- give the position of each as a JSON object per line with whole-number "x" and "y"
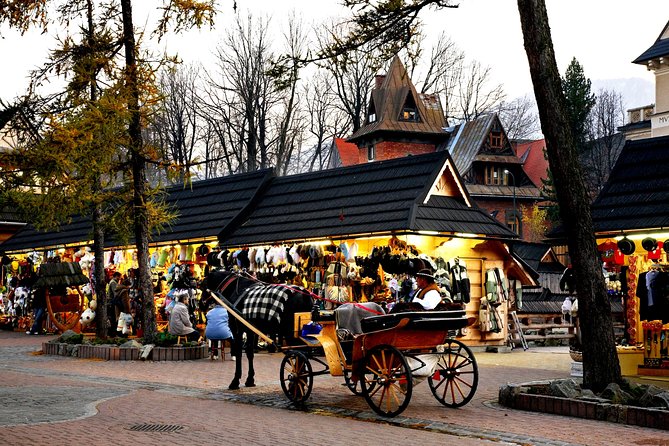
{"x": 54, "y": 400}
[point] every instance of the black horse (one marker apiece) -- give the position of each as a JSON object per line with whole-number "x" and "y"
{"x": 269, "y": 308}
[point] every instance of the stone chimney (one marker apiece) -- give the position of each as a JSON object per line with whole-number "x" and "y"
{"x": 378, "y": 79}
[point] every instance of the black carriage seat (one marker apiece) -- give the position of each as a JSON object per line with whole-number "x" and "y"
{"x": 423, "y": 320}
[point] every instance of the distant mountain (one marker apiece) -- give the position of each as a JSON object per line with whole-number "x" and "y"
{"x": 636, "y": 92}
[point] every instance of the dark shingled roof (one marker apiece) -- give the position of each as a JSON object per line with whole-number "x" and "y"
{"x": 659, "y": 49}
{"x": 59, "y": 274}
{"x": 378, "y": 197}
{"x": 202, "y": 208}
{"x": 636, "y": 195}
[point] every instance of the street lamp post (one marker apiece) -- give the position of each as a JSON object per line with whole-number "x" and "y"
{"x": 515, "y": 215}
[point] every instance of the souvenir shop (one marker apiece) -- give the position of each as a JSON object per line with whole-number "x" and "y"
{"x": 473, "y": 274}
{"x": 636, "y": 271}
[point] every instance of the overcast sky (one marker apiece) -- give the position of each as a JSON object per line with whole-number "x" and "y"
{"x": 604, "y": 35}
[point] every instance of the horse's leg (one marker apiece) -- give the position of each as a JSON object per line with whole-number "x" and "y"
{"x": 251, "y": 342}
{"x": 236, "y": 351}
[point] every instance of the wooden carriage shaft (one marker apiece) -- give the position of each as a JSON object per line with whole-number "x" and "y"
{"x": 225, "y": 304}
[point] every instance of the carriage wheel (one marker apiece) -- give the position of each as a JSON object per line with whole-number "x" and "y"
{"x": 296, "y": 376}
{"x": 456, "y": 375}
{"x": 386, "y": 383}
{"x": 67, "y": 319}
{"x": 354, "y": 387}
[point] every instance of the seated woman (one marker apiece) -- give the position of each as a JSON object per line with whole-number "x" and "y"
{"x": 217, "y": 329}
{"x": 180, "y": 324}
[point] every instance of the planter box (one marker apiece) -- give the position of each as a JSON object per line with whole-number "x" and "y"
{"x": 512, "y": 396}
{"x": 115, "y": 353}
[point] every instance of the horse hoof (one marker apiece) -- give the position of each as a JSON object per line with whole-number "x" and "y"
{"x": 233, "y": 386}
{"x": 250, "y": 384}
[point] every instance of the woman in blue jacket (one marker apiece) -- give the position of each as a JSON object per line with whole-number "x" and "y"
{"x": 217, "y": 329}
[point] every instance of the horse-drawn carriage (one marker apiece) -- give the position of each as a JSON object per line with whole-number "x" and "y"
{"x": 392, "y": 353}
{"x": 65, "y": 301}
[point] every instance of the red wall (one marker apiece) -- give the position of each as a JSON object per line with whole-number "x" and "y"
{"x": 390, "y": 149}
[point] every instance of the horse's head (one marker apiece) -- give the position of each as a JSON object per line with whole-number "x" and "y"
{"x": 227, "y": 283}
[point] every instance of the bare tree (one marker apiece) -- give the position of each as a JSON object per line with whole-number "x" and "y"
{"x": 177, "y": 125}
{"x": 605, "y": 142}
{"x": 465, "y": 89}
{"x": 326, "y": 121}
{"x": 519, "y": 117}
{"x": 290, "y": 128}
{"x": 352, "y": 72}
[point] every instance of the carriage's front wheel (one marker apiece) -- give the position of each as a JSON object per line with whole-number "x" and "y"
{"x": 455, "y": 378}
{"x": 386, "y": 381}
{"x": 296, "y": 376}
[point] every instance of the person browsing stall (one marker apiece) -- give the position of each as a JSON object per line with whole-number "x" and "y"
{"x": 180, "y": 324}
{"x": 428, "y": 292}
{"x": 217, "y": 329}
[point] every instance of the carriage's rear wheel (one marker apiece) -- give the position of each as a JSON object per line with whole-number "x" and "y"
{"x": 386, "y": 381}
{"x": 296, "y": 376}
{"x": 455, "y": 378}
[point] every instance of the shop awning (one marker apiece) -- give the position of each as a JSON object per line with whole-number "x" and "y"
{"x": 393, "y": 196}
{"x": 202, "y": 208}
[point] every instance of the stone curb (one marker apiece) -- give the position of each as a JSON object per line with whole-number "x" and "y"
{"x": 114, "y": 353}
{"x": 511, "y": 396}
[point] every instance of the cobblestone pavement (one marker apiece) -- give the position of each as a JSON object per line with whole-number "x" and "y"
{"x": 48, "y": 400}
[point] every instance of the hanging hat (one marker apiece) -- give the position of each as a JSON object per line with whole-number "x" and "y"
{"x": 665, "y": 246}
{"x": 626, "y": 246}
{"x": 203, "y": 250}
{"x": 426, "y": 273}
{"x": 649, "y": 244}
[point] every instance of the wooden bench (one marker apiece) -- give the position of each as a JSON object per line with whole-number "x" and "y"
{"x": 543, "y": 327}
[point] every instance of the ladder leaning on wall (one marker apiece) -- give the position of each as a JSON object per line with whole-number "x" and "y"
{"x": 515, "y": 332}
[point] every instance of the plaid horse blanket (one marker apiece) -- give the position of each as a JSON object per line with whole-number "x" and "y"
{"x": 262, "y": 301}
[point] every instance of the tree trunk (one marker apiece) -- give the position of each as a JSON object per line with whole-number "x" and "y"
{"x": 101, "y": 317}
{"x": 600, "y": 361}
{"x": 138, "y": 176}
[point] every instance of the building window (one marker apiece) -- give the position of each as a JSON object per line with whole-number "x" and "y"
{"x": 495, "y": 176}
{"x": 371, "y": 118}
{"x": 409, "y": 110}
{"x": 496, "y": 140}
{"x": 371, "y": 153}
{"x": 409, "y": 114}
{"x": 512, "y": 222}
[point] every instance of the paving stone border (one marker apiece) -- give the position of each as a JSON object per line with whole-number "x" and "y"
{"x": 115, "y": 353}
{"x": 514, "y": 396}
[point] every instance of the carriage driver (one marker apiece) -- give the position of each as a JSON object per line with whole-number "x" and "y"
{"x": 428, "y": 292}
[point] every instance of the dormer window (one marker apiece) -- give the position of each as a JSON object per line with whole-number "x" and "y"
{"x": 409, "y": 110}
{"x": 495, "y": 140}
{"x": 371, "y": 118}
{"x": 409, "y": 114}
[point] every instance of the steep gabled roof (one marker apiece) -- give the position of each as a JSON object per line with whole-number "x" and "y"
{"x": 202, "y": 209}
{"x": 387, "y": 101}
{"x": 467, "y": 140}
{"x": 636, "y": 194}
{"x": 535, "y": 163}
{"x": 347, "y": 152}
{"x": 396, "y": 195}
{"x": 659, "y": 49}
